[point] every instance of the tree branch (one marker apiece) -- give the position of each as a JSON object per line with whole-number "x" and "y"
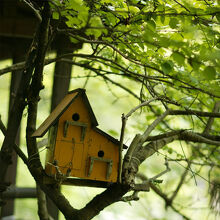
{"x": 35, "y": 11}
{"x": 132, "y": 147}
{"x": 194, "y": 112}
{"x": 188, "y": 135}
{"x": 133, "y": 197}
{"x": 181, "y": 182}
{"x": 211, "y": 119}
{"x": 35, "y": 166}
{"x": 111, "y": 195}
{"x": 42, "y": 205}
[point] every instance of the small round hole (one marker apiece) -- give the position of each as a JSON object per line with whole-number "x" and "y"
{"x": 75, "y": 117}
{"x": 101, "y": 153}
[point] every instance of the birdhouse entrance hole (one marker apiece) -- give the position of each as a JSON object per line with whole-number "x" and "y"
{"x": 101, "y": 153}
{"x": 75, "y": 117}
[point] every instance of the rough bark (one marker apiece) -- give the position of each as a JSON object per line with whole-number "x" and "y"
{"x": 33, "y": 97}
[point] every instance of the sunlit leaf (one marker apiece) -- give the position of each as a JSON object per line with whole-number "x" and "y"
{"x": 162, "y": 19}
{"x": 166, "y": 67}
{"x": 178, "y": 57}
{"x": 173, "y": 23}
{"x": 209, "y": 73}
{"x": 151, "y": 25}
{"x": 218, "y": 17}
{"x": 55, "y": 15}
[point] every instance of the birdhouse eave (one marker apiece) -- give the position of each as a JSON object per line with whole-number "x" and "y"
{"x": 61, "y": 108}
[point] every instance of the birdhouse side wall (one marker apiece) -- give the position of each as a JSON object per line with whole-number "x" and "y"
{"x": 106, "y": 154}
{"x": 50, "y": 150}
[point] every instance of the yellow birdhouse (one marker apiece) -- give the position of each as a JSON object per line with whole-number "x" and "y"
{"x": 77, "y": 148}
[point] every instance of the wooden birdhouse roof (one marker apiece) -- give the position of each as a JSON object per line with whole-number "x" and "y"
{"x": 61, "y": 107}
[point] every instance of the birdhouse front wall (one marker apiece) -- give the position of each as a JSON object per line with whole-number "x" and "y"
{"x": 80, "y": 151}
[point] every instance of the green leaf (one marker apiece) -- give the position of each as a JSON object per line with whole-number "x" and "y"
{"x": 160, "y": 8}
{"x": 166, "y": 67}
{"x": 95, "y": 22}
{"x": 194, "y": 63}
{"x": 179, "y": 58}
{"x": 148, "y": 16}
{"x": 148, "y": 35}
{"x": 151, "y": 25}
{"x": 170, "y": 150}
{"x": 164, "y": 42}
{"x": 56, "y": 15}
{"x": 111, "y": 19}
{"x": 90, "y": 32}
{"x": 73, "y": 40}
{"x": 209, "y": 73}
{"x": 173, "y": 23}
{"x": 134, "y": 9}
{"x": 218, "y": 17}
{"x": 162, "y": 19}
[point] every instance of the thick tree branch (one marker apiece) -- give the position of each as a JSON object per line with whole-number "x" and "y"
{"x": 195, "y": 137}
{"x": 42, "y": 205}
{"x": 195, "y": 112}
{"x": 151, "y": 148}
{"x": 36, "y": 84}
{"x": 188, "y": 135}
{"x": 131, "y": 148}
{"x": 35, "y": 166}
{"x": 144, "y": 152}
{"x": 111, "y": 195}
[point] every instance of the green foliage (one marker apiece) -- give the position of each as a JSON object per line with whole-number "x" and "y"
{"x": 209, "y": 73}
{"x": 173, "y": 23}
{"x": 167, "y": 67}
{"x": 178, "y": 58}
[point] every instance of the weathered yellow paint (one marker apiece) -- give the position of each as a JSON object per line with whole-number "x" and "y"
{"x": 73, "y": 153}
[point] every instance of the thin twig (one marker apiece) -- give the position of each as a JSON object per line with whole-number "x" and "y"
{"x": 36, "y": 12}
{"x": 146, "y": 103}
{"x": 133, "y": 197}
{"x": 180, "y": 182}
{"x": 153, "y": 125}
{"x": 182, "y": 5}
